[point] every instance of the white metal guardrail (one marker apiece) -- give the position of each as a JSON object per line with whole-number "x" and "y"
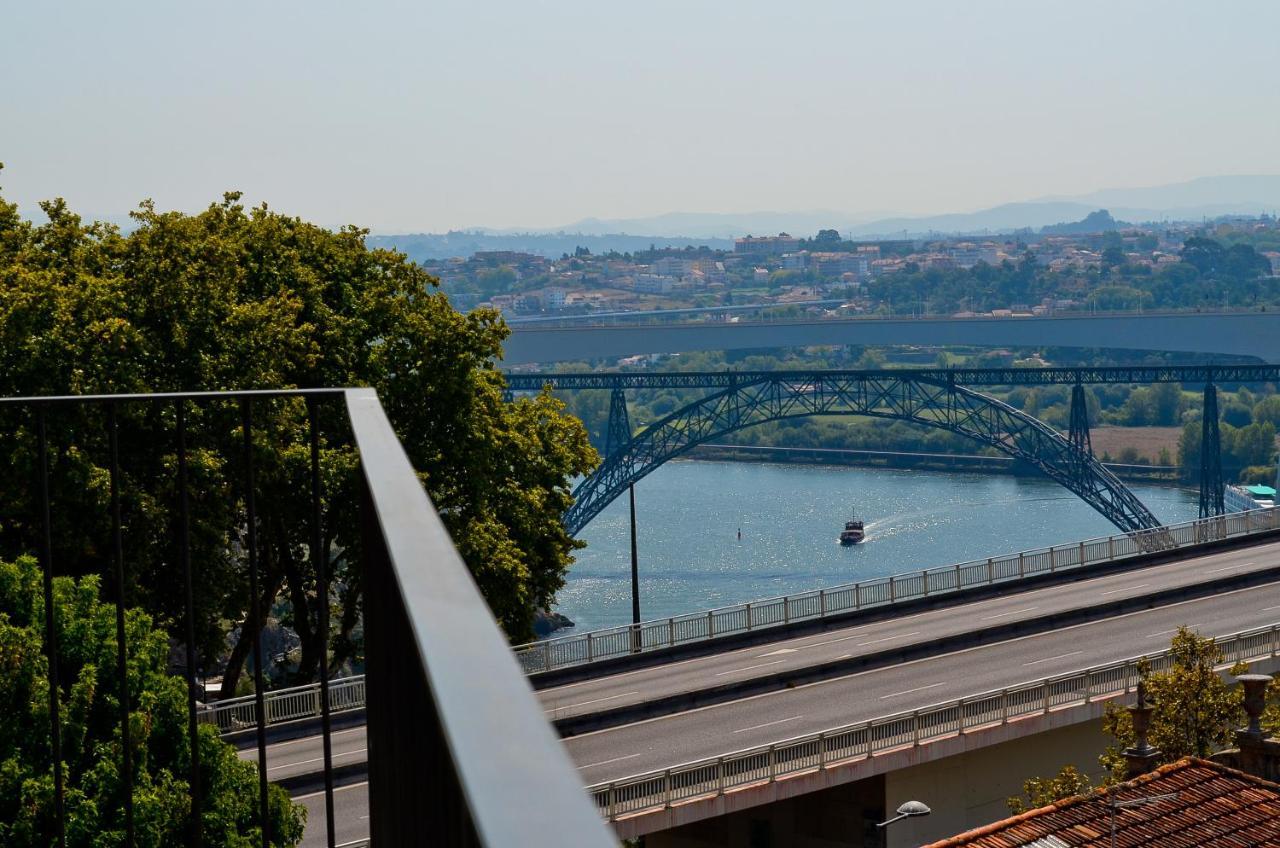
{"x": 282, "y": 705}
{"x": 300, "y": 702}
{"x": 864, "y": 740}
{"x": 596, "y": 645}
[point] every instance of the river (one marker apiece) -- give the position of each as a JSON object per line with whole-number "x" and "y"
{"x": 689, "y": 513}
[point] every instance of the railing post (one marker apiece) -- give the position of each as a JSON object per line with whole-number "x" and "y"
{"x": 822, "y": 750}
{"x": 1004, "y": 706}
{"x": 720, "y": 775}
{"x": 1111, "y": 548}
{"x": 1053, "y": 558}
{"x": 893, "y": 590}
{"x": 711, "y": 624}
{"x": 748, "y": 615}
{"x": 1081, "y": 558}
{"x": 857, "y": 596}
{"x": 666, "y": 788}
{"x": 671, "y": 631}
{"x": 1021, "y": 566}
{"x": 1046, "y": 687}
{"x": 773, "y": 763}
{"x": 786, "y": 609}
{"x": 991, "y": 571}
{"x": 546, "y": 655}
{"x": 590, "y": 649}
{"x": 915, "y": 728}
{"x": 822, "y": 603}
{"x": 924, "y": 576}
{"x": 960, "y": 721}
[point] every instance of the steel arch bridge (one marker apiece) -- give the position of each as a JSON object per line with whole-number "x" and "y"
{"x": 763, "y": 397}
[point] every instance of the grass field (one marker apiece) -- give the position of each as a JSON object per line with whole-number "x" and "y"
{"x": 1147, "y": 441}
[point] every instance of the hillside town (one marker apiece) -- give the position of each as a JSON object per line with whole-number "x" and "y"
{"x": 1097, "y": 263}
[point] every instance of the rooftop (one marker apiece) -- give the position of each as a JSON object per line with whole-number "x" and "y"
{"x": 1205, "y": 804}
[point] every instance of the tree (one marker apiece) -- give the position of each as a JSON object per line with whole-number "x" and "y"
{"x": 1194, "y": 711}
{"x": 91, "y": 740}
{"x": 1042, "y": 791}
{"x": 234, "y": 298}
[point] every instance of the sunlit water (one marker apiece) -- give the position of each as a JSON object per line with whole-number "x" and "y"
{"x": 689, "y": 513}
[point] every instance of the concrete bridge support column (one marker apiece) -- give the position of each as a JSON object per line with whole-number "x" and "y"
{"x": 1211, "y": 482}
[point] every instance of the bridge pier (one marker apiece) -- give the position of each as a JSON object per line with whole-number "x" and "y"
{"x": 1078, "y": 432}
{"x": 618, "y": 432}
{"x": 1211, "y": 482}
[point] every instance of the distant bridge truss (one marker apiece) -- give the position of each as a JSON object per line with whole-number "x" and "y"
{"x": 931, "y": 398}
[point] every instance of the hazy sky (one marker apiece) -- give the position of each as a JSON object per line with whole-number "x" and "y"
{"x": 434, "y": 115}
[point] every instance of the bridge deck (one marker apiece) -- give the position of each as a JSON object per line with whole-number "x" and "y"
{"x": 680, "y": 737}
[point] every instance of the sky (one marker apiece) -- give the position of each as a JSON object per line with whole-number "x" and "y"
{"x": 429, "y": 116}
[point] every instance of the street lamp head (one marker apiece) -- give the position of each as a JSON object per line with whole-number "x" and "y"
{"x": 914, "y": 808}
{"x": 910, "y": 809}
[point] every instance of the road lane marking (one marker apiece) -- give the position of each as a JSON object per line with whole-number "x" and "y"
{"x": 887, "y": 638}
{"x": 1229, "y": 567}
{"x": 606, "y": 762}
{"x": 1269, "y": 609}
{"x": 748, "y": 668}
{"x": 917, "y": 689}
{"x": 317, "y": 759}
{"x": 336, "y": 790}
{"x": 1051, "y": 659}
{"x": 768, "y": 724}
{"x": 1010, "y": 612}
{"x": 585, "y": 703}
{"x": 1175, "y": 630}
{"x": 1126, "y": 588}
{"x": 778, "y": 652}
{"x": 275, "y": 746}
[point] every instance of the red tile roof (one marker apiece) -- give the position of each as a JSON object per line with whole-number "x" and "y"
{"x": 1215, "y": 807}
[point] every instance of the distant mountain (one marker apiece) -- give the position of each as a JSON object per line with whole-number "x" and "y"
{"x": 718, "y": 225}
{"x": 1258, "y": 192}
{"x": 1206, "y": 197}
{"x": 1194, "y": 200}
{"x": 1095, "y": 222}
{"x": 423, "y": 246}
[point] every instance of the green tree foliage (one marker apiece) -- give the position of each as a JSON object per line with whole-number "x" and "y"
{"x": 247, "y": 298}
{"x": 1043, "y": 791}
{"x": 91, "y": 739}
{"x": 1194, "y": 711}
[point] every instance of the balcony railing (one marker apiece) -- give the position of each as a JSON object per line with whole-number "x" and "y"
{"x": 864, "y": 740}
{"x": 458, "y": 746}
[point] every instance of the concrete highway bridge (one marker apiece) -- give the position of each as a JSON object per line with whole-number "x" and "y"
{"x": 958, "y": 693}
{"x": 1231, "y": 333}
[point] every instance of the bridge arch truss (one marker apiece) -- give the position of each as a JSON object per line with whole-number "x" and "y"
{"x": 930, "y": 402}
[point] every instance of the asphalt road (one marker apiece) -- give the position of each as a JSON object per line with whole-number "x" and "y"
{"x": 853, "y": 640}
{"x": 350, "y": 815}
{"x": 774, "y": 716}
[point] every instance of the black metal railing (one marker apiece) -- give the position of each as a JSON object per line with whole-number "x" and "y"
{"x": 458, "y": 747}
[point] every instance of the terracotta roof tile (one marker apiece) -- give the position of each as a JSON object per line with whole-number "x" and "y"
{"x": 1214, "y": 807}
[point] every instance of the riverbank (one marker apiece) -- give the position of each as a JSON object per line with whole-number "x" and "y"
{"x": 970, "y": 463}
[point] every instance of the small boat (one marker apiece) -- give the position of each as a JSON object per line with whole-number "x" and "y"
{"x": 853, "y": 533}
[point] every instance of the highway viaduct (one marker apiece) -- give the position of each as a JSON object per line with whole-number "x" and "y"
{"x": 1229, "y": 333}
{"x": 654, "y": 769}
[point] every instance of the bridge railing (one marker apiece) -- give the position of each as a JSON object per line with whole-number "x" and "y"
{"x": 609, "y": 643}
{"x": 348, "y": 693}
{"x": 867, "y": 739}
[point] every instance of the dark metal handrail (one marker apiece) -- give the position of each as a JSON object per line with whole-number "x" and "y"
{"x": 458, "y": 746}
